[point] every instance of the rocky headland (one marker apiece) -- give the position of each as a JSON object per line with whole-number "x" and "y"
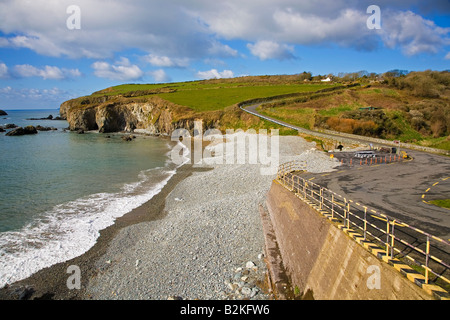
{"x": 145, "y": 114}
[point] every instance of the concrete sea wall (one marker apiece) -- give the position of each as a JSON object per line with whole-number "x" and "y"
{"x": 325, "y": 262}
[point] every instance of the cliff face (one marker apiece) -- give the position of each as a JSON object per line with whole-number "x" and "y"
{"x": 115, "y": 113}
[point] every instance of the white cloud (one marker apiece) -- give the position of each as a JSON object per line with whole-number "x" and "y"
{"x": 447, "y": 56}
{"x": 3, "y": 71}
{"x": 160, "y": 76}
{"x": 122, "y": 70}
{"x": 197, "y": 29}
{"x": 47, "y": 72}
{"x": 413, "y": 33}
{"x": 164, "y": 61}
{"x": 265, "y": 50}
{"x": 218, "y": 49}
{"x": 214, "y": 74}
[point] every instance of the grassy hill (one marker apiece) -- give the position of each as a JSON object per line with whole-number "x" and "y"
{"x": 413, "y": 108}
{"x": 216, "y": 100}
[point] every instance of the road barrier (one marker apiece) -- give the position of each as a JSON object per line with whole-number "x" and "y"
{"x": 394, "y": 239}
{"x": 370, "y": 160}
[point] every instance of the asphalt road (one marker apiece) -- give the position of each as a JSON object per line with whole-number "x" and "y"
{"x": 401, "y": 189}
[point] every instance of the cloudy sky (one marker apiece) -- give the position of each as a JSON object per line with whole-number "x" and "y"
{"x": 54, "y": 50}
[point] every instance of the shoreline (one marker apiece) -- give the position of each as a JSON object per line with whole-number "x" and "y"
{"x": 201, "y": 237}
{"x": 51, "y": 282}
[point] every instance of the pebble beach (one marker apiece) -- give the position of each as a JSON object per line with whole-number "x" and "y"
{"x": 204, "y": 240}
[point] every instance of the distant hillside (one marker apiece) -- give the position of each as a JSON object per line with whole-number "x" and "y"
{"x": 160, "y": 108}
{"x": 412, "y": 108}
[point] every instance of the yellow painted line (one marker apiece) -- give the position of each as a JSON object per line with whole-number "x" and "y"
{"x": 425, "y": 202}
{"x": 377, "y": 251}
{"x": 423, "y": 196}
{"x": 427, "y": 190}
{"x": 377, "y": 165}
{"x": 413, "y": 276}
{"x": 399, "y": 266}
{"x": 326, "y": 174}
{"x": 435, "y": 183}
{"x": 311, "y": 178}
{"x": 341, "y": 171}
{"x": 445, "y": 178}
{"x": 374, "y": 211}
{"x": 429, "y": 288}
{"x": 360, "y": 168}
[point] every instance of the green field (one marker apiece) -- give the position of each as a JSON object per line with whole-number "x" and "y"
{"x": 445, "y": 203}
{"x": 203, "y": 96}
{"x": 216, "y": 98}
{"x": 402, "y": 110}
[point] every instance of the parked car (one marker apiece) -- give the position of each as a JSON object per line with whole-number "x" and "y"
{"x": 365, "y": 154}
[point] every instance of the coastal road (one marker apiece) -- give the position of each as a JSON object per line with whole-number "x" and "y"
{"x": 252, "y": 109}
{"x": 401, "y": 189}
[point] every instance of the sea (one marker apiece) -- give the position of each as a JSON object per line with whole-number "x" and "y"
{"x": 59, "y": 189}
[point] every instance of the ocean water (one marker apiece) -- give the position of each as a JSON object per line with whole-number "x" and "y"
{"x": 58, "y": 189}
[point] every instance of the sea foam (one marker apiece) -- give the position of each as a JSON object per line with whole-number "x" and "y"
{"x": 71, "y": 229}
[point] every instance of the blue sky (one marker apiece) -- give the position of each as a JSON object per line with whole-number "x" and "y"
{"x": 54, "y": 50}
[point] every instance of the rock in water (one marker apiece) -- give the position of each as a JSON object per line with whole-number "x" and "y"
{"x": 30, "y": 130}
{"x": 22, "y": 131}
{"x": 3, "y": 113}
{"x": 127, "y": 138}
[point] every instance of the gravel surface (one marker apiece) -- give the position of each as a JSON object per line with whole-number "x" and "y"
{"x": 210, "y": 245}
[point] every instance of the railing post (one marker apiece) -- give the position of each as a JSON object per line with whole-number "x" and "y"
{"x": 321, "y": 198}
{"x": 332, "y": 206}
{"x": 345, "y": 211}
{"x": 304, "y": 188}
{"x": 392, "y": 240}
{"x": 365, "y": 222}
{"x": 426, "y": 259}
{"x": 348, "y": 214}
{"x": 387, "y": 236}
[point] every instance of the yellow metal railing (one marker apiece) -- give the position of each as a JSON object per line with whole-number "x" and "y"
{"x": 399, "y": 239}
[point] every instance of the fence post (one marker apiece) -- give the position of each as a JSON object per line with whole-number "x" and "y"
{"x": 332, "y": 206}
{"x": 345, "y": 211}
{"x": 426, "y": 260}
{"x": 365, "y": 222}
{"x": 321, "y": 198}
{"x": 304, "y": 188}
{"x": 392, "y": 239}
{"x": 348, "y": 214}
{"x": 387, "y": 236}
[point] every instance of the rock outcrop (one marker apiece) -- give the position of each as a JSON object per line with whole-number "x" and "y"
{"x": 3, "y": 113}
{"x": 117, "y": 113}
{"x": 19, "y": 131}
